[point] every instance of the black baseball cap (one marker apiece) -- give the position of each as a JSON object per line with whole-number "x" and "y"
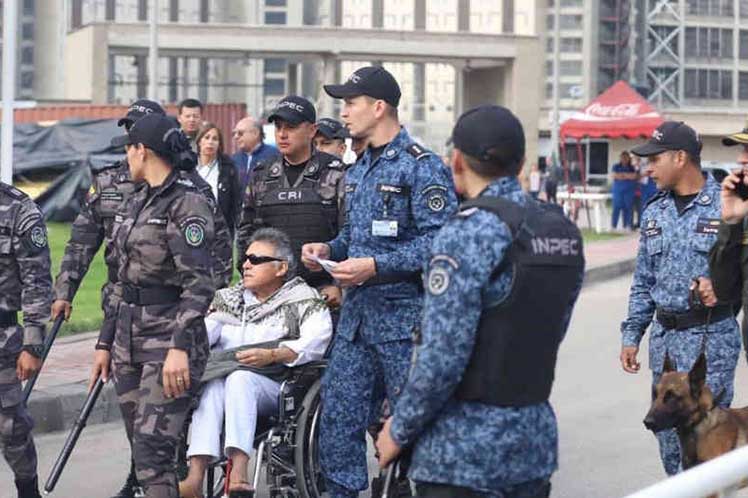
{"x": 157, "y": 132}
{"x": 332, "y": 129}
{"x": 140, "y": 108}
{"x": 671, "y": 135}
{"x": 373, "y": 81}
{"x": 490, "y": 132}
{"x": 295, "y": 110}
{"x": 739, "y": 138}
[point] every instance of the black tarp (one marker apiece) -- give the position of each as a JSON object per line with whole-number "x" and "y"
{"x": 70, "y": 148}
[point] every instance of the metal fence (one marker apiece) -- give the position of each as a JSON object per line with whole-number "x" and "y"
{"x": 720, "y": 477}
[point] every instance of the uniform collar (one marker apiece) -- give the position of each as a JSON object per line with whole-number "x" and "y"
{"x": 173, "y": 176}
{"x": 501, "y": 187}
{"x": 706, "y": 196}
{"x": 393, "y": 149}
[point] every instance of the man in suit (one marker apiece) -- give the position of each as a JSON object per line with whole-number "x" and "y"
{"x": 252, "y": 149}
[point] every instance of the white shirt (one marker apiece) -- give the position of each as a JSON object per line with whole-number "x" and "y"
{"x": 535, "y": 181}
{"x": 315, "y": 332}
{"x": 209, "y": 173}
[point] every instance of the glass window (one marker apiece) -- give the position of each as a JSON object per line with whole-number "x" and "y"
{"x": 570, "y": 68}
{"x": 275, "y": 3}
{"x": 571, "y": 45}
{"x": 570, "y": 21}
{"x": 275, "y": 18}
{"x": 27, "y": 55}
{"x": 743, "y": 86}
{"x": 274, "y": 86}
{"x": 275, "y": 65}
{"x": 27, "y": 31}
{"x": 743, "y": 44}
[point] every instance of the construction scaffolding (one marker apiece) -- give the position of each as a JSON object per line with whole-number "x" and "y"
{"x": 615, "y": 37}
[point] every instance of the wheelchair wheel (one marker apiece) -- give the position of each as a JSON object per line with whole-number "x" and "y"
{"x": 306, "y": 452}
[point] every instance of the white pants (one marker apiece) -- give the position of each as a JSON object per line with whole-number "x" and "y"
{"x": 241, "y": 396}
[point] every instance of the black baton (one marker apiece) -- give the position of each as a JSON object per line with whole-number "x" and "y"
{"x": 47, "y": 346}
{"x": 75, "y": 432}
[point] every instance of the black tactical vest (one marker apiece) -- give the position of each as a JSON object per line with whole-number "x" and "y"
{"x": 514, "y": 356}
{"x": 306, "y": 211}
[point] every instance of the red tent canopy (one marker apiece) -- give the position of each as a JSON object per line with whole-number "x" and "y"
{"x": 617, "y": 112}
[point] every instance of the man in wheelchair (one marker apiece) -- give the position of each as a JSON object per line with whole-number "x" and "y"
{"x": 258, "y": 329}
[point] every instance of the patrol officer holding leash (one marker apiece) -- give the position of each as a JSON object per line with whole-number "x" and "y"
{"x": 475, "y": 409}
{"x": 672, "y": 282}
{"x": 162, "y": 243}
{"x": 397, "y": 196}
{"x": 25, "y": 285}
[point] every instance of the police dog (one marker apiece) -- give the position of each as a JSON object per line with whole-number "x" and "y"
{"x": 684, "y": 402}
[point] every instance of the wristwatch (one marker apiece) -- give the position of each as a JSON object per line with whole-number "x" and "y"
{"x": 34, "y": 350}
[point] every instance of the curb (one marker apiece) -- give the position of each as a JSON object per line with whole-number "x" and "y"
{"x": 56, "y": 409}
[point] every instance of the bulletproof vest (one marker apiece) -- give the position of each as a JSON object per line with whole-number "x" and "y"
{"x": 514, "y": 356}
{"x": 306, "y": 211}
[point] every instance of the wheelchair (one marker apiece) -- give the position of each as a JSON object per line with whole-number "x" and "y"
{"x": 286, "y": 442}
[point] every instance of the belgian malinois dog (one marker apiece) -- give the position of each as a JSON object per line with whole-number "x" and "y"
{"x": 682, "y": 400}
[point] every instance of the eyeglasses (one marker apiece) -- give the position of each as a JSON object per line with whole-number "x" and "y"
{"x": 255, "y": 260}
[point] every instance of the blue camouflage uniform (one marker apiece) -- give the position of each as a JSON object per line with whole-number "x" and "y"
{"x": 487, "y": 448}
{"x": 394, "y": 206}
{"x": 674, "y": 250}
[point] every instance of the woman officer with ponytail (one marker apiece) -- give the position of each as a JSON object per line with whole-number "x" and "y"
{"x": 161, "y": 242}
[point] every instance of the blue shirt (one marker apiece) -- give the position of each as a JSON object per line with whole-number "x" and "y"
{"x": 624, "y": 186}
{"x": 470, "y": 444}
{"x": 394, "y": 206}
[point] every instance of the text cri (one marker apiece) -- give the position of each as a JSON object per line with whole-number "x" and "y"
{"x": 289, "y": 195}
{"x": 554, "y": 246}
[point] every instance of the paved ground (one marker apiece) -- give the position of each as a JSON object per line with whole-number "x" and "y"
{"x": 605, "y": 451}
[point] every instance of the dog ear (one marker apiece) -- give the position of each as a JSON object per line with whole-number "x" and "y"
{"x": 668, "y": 365}
{"x": 697, "y": 375}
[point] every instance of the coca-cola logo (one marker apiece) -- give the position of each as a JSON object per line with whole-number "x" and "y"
{"x": 613, "y": 111}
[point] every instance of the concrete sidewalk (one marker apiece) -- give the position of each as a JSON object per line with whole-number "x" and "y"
{"x": 61, "y": 388}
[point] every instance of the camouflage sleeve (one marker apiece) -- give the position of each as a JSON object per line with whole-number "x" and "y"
{"x": 222, "y": 248}
{"x": 32, "y": 255}
{"x": 724, "y": 263}
{"x": 246, "y": 220}
{"x": 190, "y": 233}
{"x": 86, "y": 237}
{"x": 641, "y": 304}
{"x": 433, "y": 202}
{"x": 458, "y": 263}
{"x": 109, "y": 303}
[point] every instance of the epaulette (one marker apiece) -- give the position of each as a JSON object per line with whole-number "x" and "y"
{"x": 417, "y": 151}
{"x": 186, "y": 182}
{"x": 99, "y": 168}
{"x": 12, "y": 191}
{"x": 659, "y": 195}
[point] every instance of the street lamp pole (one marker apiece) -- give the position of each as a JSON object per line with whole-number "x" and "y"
{"x": 556, "y": 73}
{"x": 10, "y": 15}
{"x": 153, "y": 53}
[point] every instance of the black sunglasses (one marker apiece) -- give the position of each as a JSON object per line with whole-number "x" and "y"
{"x": 258, "y": 260}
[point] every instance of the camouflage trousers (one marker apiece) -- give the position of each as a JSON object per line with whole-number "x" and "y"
{"x": 354, "y": 385}
{"x": 722, "y": 385}
{"x": 153, "y": 423}
{"x": 15, "y": 422}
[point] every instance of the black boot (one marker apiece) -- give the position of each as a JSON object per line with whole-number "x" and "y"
{"x": 28, "y": 488}
{"x": 131, "y": 488}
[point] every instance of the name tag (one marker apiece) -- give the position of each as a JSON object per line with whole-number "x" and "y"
{"x": 110, "y": 195}
{"x": 653, "y": 232}
{"x": 384, "y": 228}
{"x": 156, "y": 221}
{"x": 707, "y": 225}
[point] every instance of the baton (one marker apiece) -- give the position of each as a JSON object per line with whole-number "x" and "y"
{"x": 388, "y": 479}
{"x": 47, "y": 346}
{"x": 75, "y": 432}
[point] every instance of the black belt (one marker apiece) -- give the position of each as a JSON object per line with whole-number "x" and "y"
{"x": 8, "y": 318}
{"x": 693, "y": 318}
{"x": 144, "y": 296}
{"x": 393, "y": 278}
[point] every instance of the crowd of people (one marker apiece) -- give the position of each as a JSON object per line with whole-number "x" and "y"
{"x": 418, "y": 282}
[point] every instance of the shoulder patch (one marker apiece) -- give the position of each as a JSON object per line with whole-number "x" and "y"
{"x": 417, "y": 151}
{"x": 12, "y": 191}
{"x": 335, "y": 164}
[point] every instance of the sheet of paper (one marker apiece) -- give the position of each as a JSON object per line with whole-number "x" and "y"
{"x": 327, "y": 264}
